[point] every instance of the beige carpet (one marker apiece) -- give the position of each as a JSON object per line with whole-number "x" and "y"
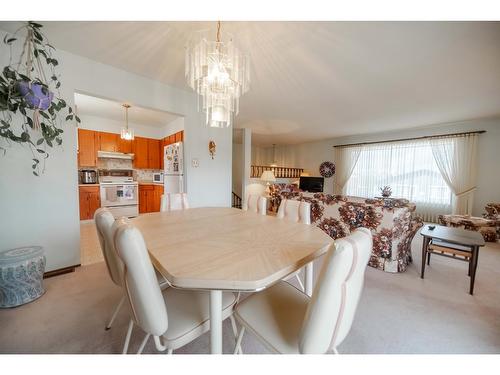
{"x": 398, "y": 313}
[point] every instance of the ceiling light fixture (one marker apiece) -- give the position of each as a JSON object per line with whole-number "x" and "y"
{"x": 219, "y": 73}
{"x": 126, "y": 133}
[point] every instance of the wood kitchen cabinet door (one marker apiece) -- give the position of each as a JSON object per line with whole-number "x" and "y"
{"x": 87, "y": 148}
{"x": 90, "y": 201}
{"x": 158, "y": 192}
{"x": 140, "y": 149}
{"x": 108, "y": 142}
{"x": 124, "y": 145}
{"x": 143, "y": 200}
{"x": 154, "y": 153}
{"x": 146, "y": 198}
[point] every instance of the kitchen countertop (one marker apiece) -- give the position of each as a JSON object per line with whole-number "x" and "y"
{"x": 143, "y": 182}
{"x": 149, "y": 182}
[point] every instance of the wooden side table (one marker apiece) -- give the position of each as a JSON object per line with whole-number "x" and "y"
{"x": 458, "y": 241}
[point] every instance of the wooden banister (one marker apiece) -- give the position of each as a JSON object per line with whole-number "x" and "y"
{"x": 236, "y": 200}
{"x": 279, "y": 172}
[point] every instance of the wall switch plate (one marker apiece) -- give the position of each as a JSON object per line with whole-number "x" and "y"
{"x": 195, "y": 163}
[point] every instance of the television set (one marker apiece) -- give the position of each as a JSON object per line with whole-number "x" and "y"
{"x": 311, "y": 184}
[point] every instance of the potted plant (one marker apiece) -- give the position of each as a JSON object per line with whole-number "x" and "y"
{"x": 386, "y": 191}
{"x": 31, "y": 105}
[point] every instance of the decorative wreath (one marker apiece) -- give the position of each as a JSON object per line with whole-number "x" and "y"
{"x": 327, "y": 169}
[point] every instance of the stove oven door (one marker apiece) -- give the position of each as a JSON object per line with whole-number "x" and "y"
{"x": 119, "y": 195}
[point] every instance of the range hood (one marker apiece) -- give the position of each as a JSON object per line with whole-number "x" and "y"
{"x": 114, "y": 155}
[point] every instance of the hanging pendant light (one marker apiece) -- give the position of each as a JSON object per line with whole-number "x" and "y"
{"x": 219, "y": 73}
{"x": 126, "y": 133}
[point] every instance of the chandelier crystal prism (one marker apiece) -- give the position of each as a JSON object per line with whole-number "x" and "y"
{"x": 126, "y": 133}
{"x": 219, "y": 72}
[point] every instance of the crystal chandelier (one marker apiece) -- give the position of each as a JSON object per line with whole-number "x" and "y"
{"x": 219, "y": 73}
{"x": 126, "y": 133}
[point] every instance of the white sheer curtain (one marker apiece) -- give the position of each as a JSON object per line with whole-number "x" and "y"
{"x": 456, "y": 159}
{"x": 346, "y": 159}
{"x": 409, "y": 168}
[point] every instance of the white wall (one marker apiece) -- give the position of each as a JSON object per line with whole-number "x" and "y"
{"x": 237, "y": 168}
{"x": 306, "y": 155}
{"x": 310, "y": 155}
{"x": 173, "y": 127}
{"x": 44, "y": 210}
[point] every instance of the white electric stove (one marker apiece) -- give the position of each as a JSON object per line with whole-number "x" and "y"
{"x": 119, "y": 192}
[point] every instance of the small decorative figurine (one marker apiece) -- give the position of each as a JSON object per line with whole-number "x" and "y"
{"x": 212, "y": 148}
{"x": 386, "y": 191}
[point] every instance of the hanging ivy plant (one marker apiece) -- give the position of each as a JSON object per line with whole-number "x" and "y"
{"x": 26, "y": 95}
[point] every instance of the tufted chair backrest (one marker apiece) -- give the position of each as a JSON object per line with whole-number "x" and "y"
{"x": 335, "y": 298}
{"x": 255, "y": 203}
{"x": 295, "y": 211}
{"x": 104, "y": 221}
{"x": 174, "y": 201}
{"x": 140, "y": 282}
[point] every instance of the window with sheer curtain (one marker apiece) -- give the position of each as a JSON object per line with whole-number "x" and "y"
{"x": 409, "y": 168}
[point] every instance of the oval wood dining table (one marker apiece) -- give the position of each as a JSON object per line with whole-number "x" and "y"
{"x": 227, "y": 249}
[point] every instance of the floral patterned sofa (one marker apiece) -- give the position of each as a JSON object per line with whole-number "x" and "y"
{"x": 391, "y": 222}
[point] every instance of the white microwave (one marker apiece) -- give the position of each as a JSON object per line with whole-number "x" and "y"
{"x": 158, "y": 177}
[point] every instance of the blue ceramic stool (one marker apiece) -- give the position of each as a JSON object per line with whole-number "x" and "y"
{"x": 21, "y": 275}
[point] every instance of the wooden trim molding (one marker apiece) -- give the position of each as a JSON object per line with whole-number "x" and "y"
{"x": 60, "y": 271}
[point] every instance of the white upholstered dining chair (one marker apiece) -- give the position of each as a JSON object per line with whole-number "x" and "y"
{"x": 174, "y": 317}
{"x": 104, "y": 220}
{"x": 297, "y": 212}
{"x": 286, "y": 320}
{"x": 174, "y": 201}
{"x": 255, "y": 203}
{"x": 106, "y": 227}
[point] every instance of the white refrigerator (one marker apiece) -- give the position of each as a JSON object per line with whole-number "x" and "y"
{"x": 173, "y": 176}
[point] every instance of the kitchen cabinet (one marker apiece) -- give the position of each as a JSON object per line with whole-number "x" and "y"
{"x": 154, "y": 153}
{"x": 90, "y": 201}
{"x": 158, "y": 192}
{"x": 163, "y": 143}
{"x": 124, "y": 145}
{"x": 150, "y": 198}
{"x": 178, "y": 136}
{"x": 148, "y": 152}
{"x": 140, "y": 149}
{"x": 146, "y": 193}
{"x": 108, "y": 141}
{"x": 87, "y": 148}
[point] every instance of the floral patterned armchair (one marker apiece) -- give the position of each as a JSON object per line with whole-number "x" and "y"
{"x": 493, "y": 213}
{"x": 391, "y": 222}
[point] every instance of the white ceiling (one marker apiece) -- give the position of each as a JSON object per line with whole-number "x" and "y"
{"x": 314, "y": 80}
{"x": 93, "y": 106}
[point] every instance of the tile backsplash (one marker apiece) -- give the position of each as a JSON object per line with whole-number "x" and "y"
{"x": 144, "y": 174}
{"x": 114, "y": 164}
{"x": 139, "y": 174}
